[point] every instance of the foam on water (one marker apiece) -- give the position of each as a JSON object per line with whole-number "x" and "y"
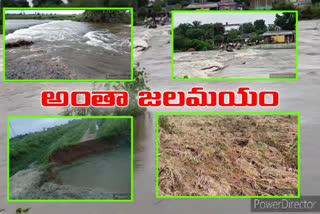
{"x": 108, "y": 41}
{"x": 52, "y": 31}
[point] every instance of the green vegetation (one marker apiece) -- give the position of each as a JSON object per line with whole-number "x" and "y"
{"x": 139, "y": 83}
{"x": 105, "y": 16}
{"x": 196, "y": 35}
{"x": 36, "y": 148}
{"x": 113, "y": 127}
{"x": 11, "y": 3}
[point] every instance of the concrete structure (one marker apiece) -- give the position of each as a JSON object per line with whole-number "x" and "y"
{"x": 279, "y": 36}
{"x": 212, "y": 5}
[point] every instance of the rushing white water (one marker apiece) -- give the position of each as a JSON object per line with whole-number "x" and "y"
{"x": 108, "y": 41}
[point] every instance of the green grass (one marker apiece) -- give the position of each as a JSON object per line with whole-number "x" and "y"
{"x": 113, "y": 127}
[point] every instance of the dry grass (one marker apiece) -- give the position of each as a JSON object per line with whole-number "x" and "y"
{"x": 228, "y": 155}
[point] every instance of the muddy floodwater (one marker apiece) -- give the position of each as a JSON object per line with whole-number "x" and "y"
{"x": 68, "y": 50}
{"x": 109, "y": 171}
{"x": 244, "y": 63}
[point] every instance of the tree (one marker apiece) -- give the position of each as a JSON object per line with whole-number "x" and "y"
{"x": 218, "y": 28}
{"x": 195, "y": 33}
{"x": 287, "y": 21}
{"x": 260, "y": 26}
{"x": 11, "y": 3}
{"x": 256, "y": 37}
{"x": 196, "y": 24}
{"x": 233, "y": 35}
{"x": 218, "y": 39}
{"x": 271, "y": 27}
{"x": 157, "y": 7}
{"x": 247, "y": 28}
{"x": 282, "y": 5}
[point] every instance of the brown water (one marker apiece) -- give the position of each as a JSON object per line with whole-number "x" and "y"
{"x": 301, "y": 95}
{"x": 68, "y": 50}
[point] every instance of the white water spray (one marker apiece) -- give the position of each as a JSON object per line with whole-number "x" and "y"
{"x": 30, "y": 3}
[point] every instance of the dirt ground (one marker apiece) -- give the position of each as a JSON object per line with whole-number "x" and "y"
{"x": 229, "y": 155}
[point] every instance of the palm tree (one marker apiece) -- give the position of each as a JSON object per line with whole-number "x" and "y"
{"x": 196, "y": 24}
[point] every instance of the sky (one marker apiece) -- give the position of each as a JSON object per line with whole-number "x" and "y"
{"x": 231, "y": 18}
{"x": 20, "y": 126}
{"x": 62, "y": 12}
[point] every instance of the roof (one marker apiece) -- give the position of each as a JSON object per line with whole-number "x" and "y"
{"x": 198, "y": 6}
{"x": 274, "y": 33}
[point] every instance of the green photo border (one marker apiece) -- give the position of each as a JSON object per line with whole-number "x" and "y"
{"x": 66, "y": 200}
{"x": 226, "y": 113}
{"x": 67, "y": 80}
{"x": 230, "y": 11}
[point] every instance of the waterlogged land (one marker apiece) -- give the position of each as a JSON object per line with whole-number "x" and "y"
{"x": 68, "y": 50}
{"x": 230, "y": 155}
{"x": 245, "y": 63}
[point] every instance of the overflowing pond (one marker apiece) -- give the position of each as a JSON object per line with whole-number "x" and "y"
{"x": 68, "y": 50}
{"x": 109, "y": 171}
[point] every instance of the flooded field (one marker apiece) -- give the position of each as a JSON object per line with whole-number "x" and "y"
{"x": 23, "y": 99}
{"x": 68, "y": 50}
{"x": 245, "y": 63}
{"x": 95, "y": 171}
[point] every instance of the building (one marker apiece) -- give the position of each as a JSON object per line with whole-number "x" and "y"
{"x": 267, "y": 4}
{"x": 212, "y": 5}
{"x": 279, "y": 36}
{"x": 261, "y": 4}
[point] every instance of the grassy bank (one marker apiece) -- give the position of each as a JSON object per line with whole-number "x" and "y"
{"x": 36, "y": 148}
{"x": 227, "y": 155}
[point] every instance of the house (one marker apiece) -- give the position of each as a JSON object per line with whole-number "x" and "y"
{"x": 267, "y": 4}
{"x": 212, "y": 5}
{"x": 279, "y": 36}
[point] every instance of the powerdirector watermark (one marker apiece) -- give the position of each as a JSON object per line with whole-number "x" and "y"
{"x": 302, "y": 204}
{"x": 282, "y": 75}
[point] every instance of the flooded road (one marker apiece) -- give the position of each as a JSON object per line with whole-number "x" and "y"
{"x": 68, "y": 50}
{"x": 300, "y": 96}
{"x": 244, "y": 63}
